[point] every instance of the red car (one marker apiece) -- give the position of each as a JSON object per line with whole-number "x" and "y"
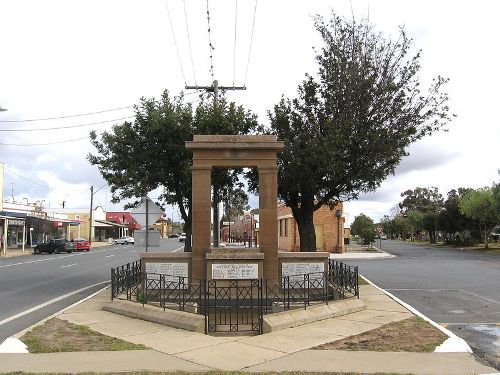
{"x": 81, "y": 244}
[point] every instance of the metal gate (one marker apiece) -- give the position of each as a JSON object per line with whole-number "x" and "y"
{"x": 233, "y": 305}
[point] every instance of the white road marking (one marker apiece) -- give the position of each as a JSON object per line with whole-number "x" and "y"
{"x": 69, "y": 265}
{"x": 109, "y": 256}
{"x": 54, "y": 300}
{"x": 133, "y": 251}
{"x": 176, "y": 250}
{"x": 54, "y": 258}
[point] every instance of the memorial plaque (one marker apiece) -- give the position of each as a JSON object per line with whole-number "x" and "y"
{"x": 234, "y": 271}
{"x": 171, "y": 270}
{"x": 296, "y": 271}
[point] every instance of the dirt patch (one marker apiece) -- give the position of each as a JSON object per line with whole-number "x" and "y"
{"x": 58, "y": 335}
{"x": 409, "y": 335}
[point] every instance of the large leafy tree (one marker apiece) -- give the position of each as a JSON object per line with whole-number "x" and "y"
{"x": 480, "y": 205}
{"x": 451, "y": 221}
{"x": 427, "y": 201}
{"x": 236, "y": 202}
{"x": 148, "y": 153}
{"x": 350, "y": 124}
{"x": 364, "y": 227}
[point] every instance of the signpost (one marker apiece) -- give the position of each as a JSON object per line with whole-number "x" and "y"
{"x": 147, "y": 212}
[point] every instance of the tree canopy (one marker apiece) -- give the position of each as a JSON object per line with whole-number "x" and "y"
{"x": 351, "y": 123}
{"x": 481, "y": 206}
{"x": 425, "y": 202}
{"x": 364, "y": 227}
{"x": 149, "y": 153}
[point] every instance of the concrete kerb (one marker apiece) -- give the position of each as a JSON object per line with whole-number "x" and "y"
{"x": 453, "y": 344}
{"x": 295, "y": 318}
{"x": 380, "y": 254}
{"x": 171, "y": 318}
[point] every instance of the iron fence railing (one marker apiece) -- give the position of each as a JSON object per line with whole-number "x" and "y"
{"x": 343, "y": 278}
{"x": 234, "y": 305}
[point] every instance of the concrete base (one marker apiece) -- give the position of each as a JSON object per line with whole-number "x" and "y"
{"x": 298, "y": 317}
{"x": 172, "y": 318}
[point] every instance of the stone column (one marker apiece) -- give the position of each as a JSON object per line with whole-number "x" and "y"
{"x": 268, "y": 233}
{"x": 201, "y": 184}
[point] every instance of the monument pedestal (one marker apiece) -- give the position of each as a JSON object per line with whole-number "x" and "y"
{"x": 234, "y": 263}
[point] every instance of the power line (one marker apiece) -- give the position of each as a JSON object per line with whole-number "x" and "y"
{"x": 36, "y": 183}
{"x": 175, "y": 42}
{"x": 210, "y": 45}
{"x": 189, "y": 41}
{"x": 234, "y": 48}
{"x": 69, "y": 116}
{"x": 251, "y": 42}
{"x": 27, "y": 179}
{"x": 101, "y": 187}
{"x": 43, "y": 144}
{"x": 65, "y": 127}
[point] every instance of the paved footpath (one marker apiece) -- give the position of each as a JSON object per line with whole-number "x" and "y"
{"x": 286, "y": 350}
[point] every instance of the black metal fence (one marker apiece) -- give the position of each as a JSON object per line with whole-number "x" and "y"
{"x": 234, "y": 305}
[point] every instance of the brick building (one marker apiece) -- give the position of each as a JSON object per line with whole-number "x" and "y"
{"x": 328, "y": 226}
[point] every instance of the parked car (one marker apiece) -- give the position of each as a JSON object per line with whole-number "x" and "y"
{"x": 81, "y": 244}
{"x": 56, "y": 246}
{"x": 173, "y": 235}
{"x": 124, "y": 240}
{"x": 182, "y": 237}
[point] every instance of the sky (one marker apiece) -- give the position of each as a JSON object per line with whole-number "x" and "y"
{"x": 67, "y": 58}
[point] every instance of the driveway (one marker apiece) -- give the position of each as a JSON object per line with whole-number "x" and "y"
{"x": 459, "y": 289}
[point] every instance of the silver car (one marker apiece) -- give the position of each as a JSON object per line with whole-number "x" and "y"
{"x": 124, "y": 240}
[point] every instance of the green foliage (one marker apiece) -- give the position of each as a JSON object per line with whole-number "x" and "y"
{"x": 148, "y": 153}
{"x": 428, "y": 202}
{"x": 350, "y": 125}
{"x": 364, "y": 227}
{"x": 481, "y": 206}
{"x": 236, "y": 202}
{"x": 416, "y": 220}
{"x": 457, "y": 229}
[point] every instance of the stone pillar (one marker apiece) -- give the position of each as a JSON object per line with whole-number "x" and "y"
{"x": 201, "y": 184}
{"x": 268, "y": 233}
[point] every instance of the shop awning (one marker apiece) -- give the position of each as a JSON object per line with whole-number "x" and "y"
{"x": 111, "y": 223}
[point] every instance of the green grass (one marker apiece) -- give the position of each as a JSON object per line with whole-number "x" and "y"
{"x": 61, "y": 336}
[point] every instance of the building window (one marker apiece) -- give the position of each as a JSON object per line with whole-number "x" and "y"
{"x": 287, "y": 221}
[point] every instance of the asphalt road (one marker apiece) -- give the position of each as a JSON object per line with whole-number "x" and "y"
{"x": 459, "y": 289}
{"x": 34, "y": 287}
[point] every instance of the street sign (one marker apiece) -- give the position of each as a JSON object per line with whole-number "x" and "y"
{"x": 139, "y": 213}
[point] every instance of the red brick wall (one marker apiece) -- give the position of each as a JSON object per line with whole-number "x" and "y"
{"x": 332, "y": 228}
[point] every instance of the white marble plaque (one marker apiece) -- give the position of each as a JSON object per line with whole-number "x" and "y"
{"x": 233, "y": 271}
{"x": 171, "y": 270}
{"x": 296, "y": 271}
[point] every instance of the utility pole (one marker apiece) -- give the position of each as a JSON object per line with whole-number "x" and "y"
{"x": 90, "y": 214}
{"x": 147, "y": 222}
{"x": 215, "y": 196}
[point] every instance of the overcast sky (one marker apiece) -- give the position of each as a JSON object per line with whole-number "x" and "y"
{"x": 64, "y": 58}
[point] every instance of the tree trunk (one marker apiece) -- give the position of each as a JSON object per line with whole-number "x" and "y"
{"x": 304, "y": 217}
{"x": 485, "y": 238}
{"x": 188, "y": 230}
{"x": 188, "y": 226}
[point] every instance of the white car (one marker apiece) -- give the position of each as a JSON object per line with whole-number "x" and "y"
{"x": 124, "y": 240}
{"x": 182, "y": 237}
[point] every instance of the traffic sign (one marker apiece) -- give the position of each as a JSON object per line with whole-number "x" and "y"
{"x": 147, "y": 206}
